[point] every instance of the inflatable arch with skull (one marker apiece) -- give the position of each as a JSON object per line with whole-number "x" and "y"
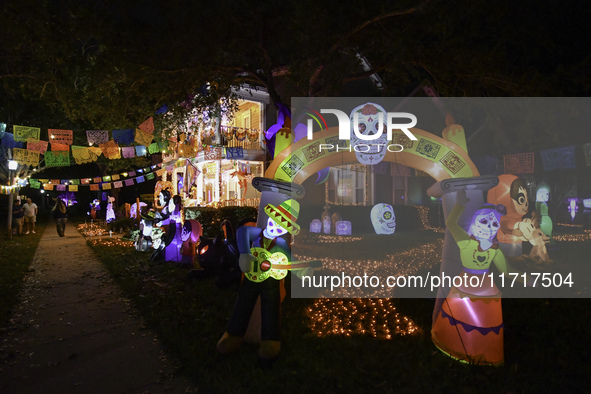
{"x": 369, "y": 119}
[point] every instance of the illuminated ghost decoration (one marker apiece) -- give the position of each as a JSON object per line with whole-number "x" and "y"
{"x": 316, "y": 226}
{"x": 383, "y": 219}
{"x": 110, "y": 211}
{"x": 573, "y": 208}
{"x": 370, "y": 120}
{"x": 542, "y": 197}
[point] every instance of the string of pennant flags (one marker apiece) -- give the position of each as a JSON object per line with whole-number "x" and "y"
{"x": 107, "y": 182}
{"x": 58, "y": 150}
{"x": 27, "y": 145}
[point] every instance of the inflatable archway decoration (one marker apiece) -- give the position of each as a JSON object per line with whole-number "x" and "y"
{"x": 442, "y": 158}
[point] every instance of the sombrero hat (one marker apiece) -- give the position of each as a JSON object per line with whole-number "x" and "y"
{"x": 150, "y": 215}
{"x": 285, "y": 215}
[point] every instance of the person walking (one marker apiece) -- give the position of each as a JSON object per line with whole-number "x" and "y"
{"x": 17, "y": 217}
{"x": 60, "y": 214}
{"x": 31, "y": 210}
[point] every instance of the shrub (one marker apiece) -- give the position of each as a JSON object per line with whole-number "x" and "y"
{"x": 211, "y": 218}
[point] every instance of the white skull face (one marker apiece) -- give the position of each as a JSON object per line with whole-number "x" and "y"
{"x": 370, "y": 120}
{"x": 383, "y": 219}
{"x": 542, "y": 195}
{"x": 273, "y": 229}
{"x": 485, "y": 226}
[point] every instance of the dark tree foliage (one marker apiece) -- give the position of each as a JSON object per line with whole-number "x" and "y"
{"x": 112, "y": 64}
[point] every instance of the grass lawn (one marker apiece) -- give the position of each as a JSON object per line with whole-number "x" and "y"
{"x": 546, "y": 340}
{"x": 15, "y": 258}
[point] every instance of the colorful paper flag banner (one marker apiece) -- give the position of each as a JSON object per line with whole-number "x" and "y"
{"x": 37, "y": 145}
{"x": 140, "y": 150}
{"x": 25, "y": 157}
{"x": 97, "y": 136}
{"x": 150, "y": 176}
{"x": 9, "y": 142}
{"x": 124, "y": 136}
{"x": 56, "y": 146}
{"x": 128, "y": 152}
{"x": 57, "y": 158}
{"x": 143, "y": 138}
{"x": 106, "y": 185}
{"x": 520, "y": 163}
{"x": 60, "y": 188}
{"x": 34, "y": 183}
{"x": 84, "y": 154}
{"x": 115, "y": 177}
{"x": 61, "y": 136}
{"x": 148, "y": 125}
{"x": 558, "y": 158}
{"x": 234, "y": 153}
{"x": 117, "y": 184}
{"x": 73, "y": 188}
{"x": 94, "y": 187}
{"x": 153, "y": 148}
{"x": 129, "y": 182}
{"x": 140, "y": 179}
{"x": 23, "y": 133}
{"x": 111, "y": 150}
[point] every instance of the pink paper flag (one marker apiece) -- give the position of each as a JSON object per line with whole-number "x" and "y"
{"x": 148, "y": 125}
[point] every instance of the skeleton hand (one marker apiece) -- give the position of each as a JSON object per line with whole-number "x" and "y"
{"x": 461, "y": 198}
{"x": 245, "y": 262}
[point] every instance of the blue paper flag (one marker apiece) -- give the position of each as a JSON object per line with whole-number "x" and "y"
{"x": 125, "y": 136}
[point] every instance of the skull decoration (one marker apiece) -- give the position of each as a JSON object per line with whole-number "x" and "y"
{"x": 370, "y": 120}
{"x": 383, "y": 219}
{"x": 485, "y": 225}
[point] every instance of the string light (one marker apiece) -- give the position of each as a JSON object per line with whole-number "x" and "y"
{"x": 378, "y": 318}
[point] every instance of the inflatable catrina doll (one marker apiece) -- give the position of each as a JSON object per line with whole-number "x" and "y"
{"x": 469, "y": 326}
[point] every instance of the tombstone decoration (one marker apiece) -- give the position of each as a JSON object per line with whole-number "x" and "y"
{"x": 343, "y": 227}
{"x": 316, "y": 226}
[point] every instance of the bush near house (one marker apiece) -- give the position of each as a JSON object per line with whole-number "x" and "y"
{"x": 212, "y": 218}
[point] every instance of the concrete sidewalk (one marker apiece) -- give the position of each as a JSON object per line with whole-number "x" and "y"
{"x": 74, "y": 332}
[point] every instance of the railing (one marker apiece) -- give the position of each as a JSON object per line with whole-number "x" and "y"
{"x": 246, "y": 144}
{"x": 247, "y": 202}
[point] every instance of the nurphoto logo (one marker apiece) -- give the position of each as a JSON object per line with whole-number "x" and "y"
{"x": 345, "y": 125}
